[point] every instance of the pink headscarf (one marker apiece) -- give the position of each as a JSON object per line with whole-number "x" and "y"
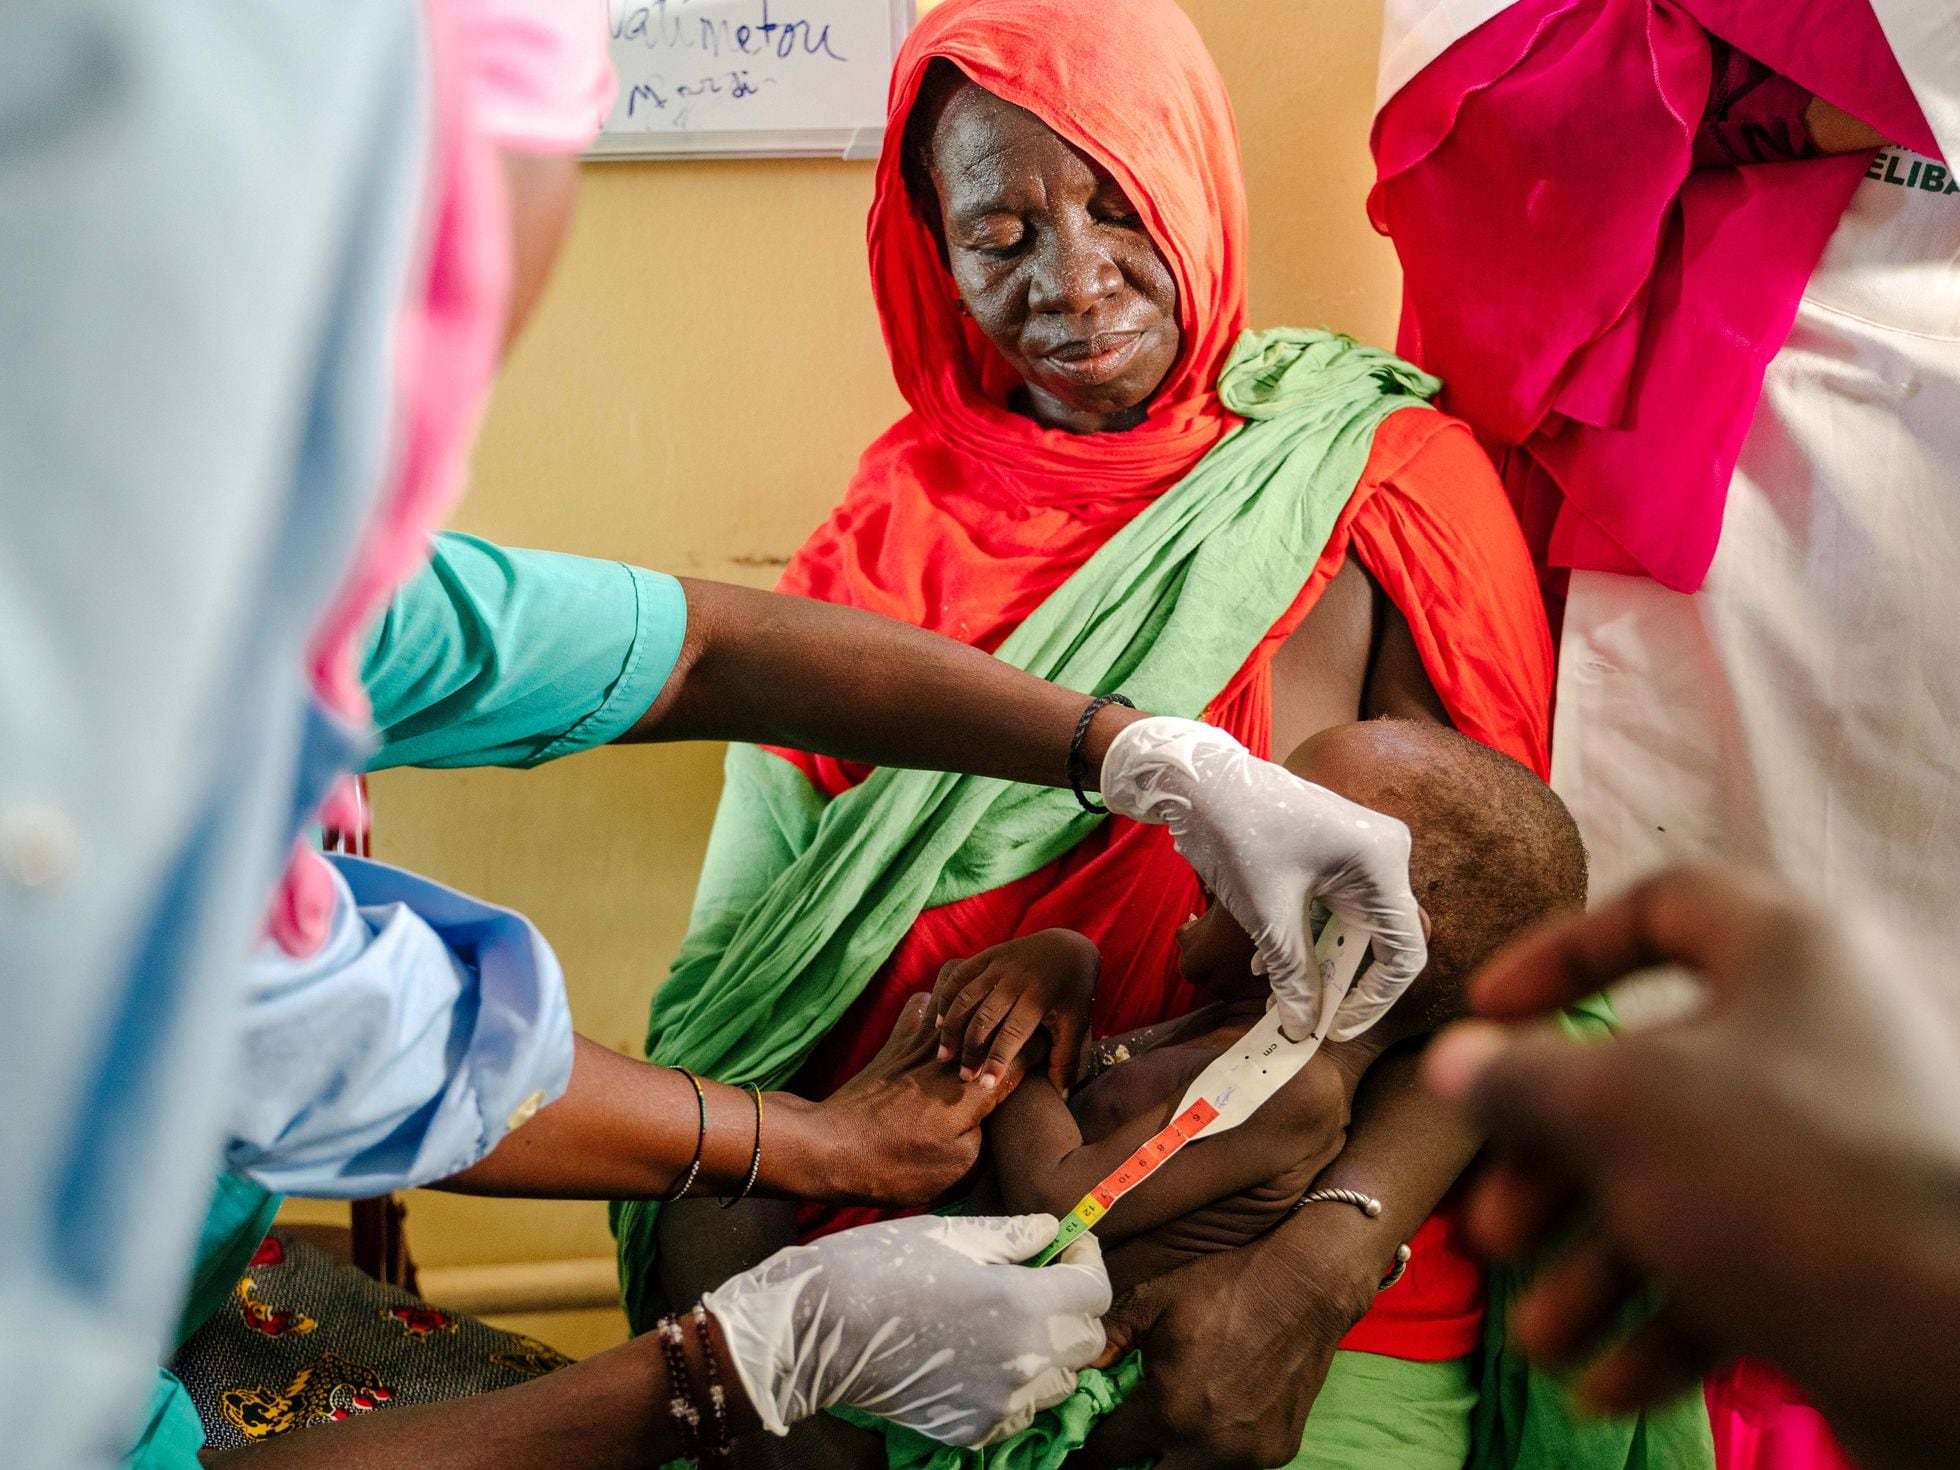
{"x": 1601, "y": 310}
{"x": 527, "y": 75}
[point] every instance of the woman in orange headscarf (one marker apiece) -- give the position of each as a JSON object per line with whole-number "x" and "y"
{"x": 1058, "y": 249}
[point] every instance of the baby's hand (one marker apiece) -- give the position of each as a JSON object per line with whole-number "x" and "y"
{"x": 988, "y": 1008}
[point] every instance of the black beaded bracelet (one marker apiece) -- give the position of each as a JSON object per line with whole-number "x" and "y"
{"x": 722, "y": 1446}
{"x": 1077, "y": 768}
{"x": 679, "y": 1191}
{"x": 680, "y": 1387}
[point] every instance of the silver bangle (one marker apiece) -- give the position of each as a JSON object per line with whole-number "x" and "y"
{"x": 1369, "y": 1206}
{"x": 1366, "y": 1203}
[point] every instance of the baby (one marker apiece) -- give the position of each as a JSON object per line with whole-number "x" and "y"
{"x": 1493, "y": 852}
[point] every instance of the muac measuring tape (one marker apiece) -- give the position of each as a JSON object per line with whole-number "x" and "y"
{"x": 1230, "y": 1090}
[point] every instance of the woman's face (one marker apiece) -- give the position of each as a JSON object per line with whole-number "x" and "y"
{"x": 1053, "y": 263}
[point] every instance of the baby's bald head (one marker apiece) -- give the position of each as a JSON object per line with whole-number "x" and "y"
{"x": 1493, "y": 851}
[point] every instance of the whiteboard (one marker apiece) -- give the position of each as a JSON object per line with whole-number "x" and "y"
{"x": 798, "y": 78}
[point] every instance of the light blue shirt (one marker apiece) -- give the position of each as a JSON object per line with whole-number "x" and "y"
{"x": 427, "y": 1027}
{"x": 207, "y": 213}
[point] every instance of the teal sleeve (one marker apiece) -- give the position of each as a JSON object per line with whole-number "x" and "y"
{"x": 172, "y": 1433}
{"x": 500, "y": 657}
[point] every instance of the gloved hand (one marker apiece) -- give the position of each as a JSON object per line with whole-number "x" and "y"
{"x": 927, "y": 1322}
{"x": 1267, "y": 844}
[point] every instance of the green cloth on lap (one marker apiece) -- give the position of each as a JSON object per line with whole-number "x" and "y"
{"x": 1055, "y": 1434}
{"x": 1372, "y": 1411}
{"x": 1526, "y": 1419}
{"x": 1381, "y": 1411}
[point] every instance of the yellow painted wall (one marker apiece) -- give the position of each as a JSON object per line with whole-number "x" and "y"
{"x": 692, "y": 397}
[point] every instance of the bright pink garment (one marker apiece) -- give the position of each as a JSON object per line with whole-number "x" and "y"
{"x": 543, "y": 78}
{"x": 526, "y": 74}
{"x": 1600, "y": 311}
{"x": 1762, "y": 1423}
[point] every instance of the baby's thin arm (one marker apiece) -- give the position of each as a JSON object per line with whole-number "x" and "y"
{"x": 1043, "y": 1163}
{"x": 1032, "y": 1133}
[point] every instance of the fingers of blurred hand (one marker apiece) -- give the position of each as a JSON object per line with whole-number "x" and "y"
{"x": 1514, "y": 1207}
{"x": 1575, "y": 1302}
{"x": 1535, "y": 1089}
{"x": 1711, "y": 922}
{"x": 1662, "y": 1360}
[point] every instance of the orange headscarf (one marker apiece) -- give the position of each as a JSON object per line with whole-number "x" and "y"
{"x": 966, "y": 515}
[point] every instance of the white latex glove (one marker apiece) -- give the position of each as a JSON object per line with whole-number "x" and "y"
{"x": 1267, "y": 844}
{"x": 927, "y": 1322}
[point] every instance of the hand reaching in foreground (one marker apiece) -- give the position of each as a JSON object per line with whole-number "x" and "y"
{"x": 990, "y": 1007}
{"x": 928, "y": 1322}
{"x": 1269, "y": 844}
{"x": 1785, "y": 1163}
{"x": 1270, "y": 1303}
{"x": 905, "y": 1130}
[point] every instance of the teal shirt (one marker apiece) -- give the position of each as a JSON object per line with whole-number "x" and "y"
{"x": 240, "y": 1214}
{"x": 488, "y": 657}
{"x": 498, "y": 657}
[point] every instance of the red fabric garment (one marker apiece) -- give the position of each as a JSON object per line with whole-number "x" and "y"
{"x": 965, "y": 516}
{"x": 1600, "y": 311}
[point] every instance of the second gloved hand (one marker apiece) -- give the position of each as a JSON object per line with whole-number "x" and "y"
{"x": 927, "y": 1322}
{"x": 1267, "y": 844}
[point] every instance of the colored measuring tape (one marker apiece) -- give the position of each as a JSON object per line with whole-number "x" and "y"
{"x": 1228, "y": 1091}
{"x": 1182, "y": 1129}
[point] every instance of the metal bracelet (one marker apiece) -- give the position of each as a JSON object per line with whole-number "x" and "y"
{"x": 1077, "y": 768}
{"x": 1366, "y": 1203}
{"x": 755, "y": 1159}
{"x": 679, "y": 1192}
{"x": 1369, "y": 1206}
